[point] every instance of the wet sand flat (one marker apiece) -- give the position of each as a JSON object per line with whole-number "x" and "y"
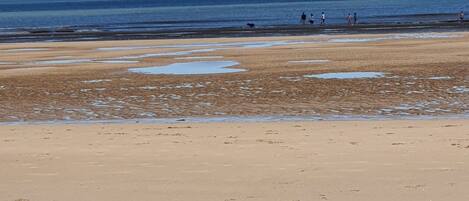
{"x": 422, "y": 74}
{"x": 354, "y": 160}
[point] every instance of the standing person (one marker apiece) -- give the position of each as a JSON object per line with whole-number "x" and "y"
{"x": 323, "y": 18}
{"x": 355, "y": 18}
{"x": 311, "y": 19}
{"x": 303, "y": 18}
{"x": 461, "y": 17}
{"x": 349, "y": 19}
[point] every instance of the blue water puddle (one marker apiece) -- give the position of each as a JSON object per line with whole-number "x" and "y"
{"x": 117, "y": 62}
{"x": 191, "y": 68}
{"x": 125, "y": 48}
{"x": 6, "y": 63}
{"x": 166, "y": 54}
{"x": 347, "y": 75}
{"x": 266, "y": 44}
{"x": 440, "y": 78}
{"x": 243, "y": 119}
{"x": 255, "y": 44}
{"x": 195, "y": 58}
{"x": 355, "y": 40}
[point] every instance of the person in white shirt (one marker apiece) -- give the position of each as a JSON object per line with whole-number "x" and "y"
{"x": 349, "y": 19}
{"x": 461, "y": 17}
{"x": 323, "y": 18}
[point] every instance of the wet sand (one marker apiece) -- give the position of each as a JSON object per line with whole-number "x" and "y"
{"x": 364, "y": 160}
{"x": 84, "y": 33}
{"x": 424, "y": 74}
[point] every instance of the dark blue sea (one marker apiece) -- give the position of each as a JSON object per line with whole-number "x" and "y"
{"x": 122, "y": 15}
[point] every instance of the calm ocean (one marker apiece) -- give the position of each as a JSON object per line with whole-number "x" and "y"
{"x": 117, "y": 15}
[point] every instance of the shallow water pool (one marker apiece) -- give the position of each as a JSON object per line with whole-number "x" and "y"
{"x": 347, "y": 75}
{"x": 191, "y": 68}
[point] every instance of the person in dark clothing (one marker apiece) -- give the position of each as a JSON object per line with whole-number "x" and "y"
{"x": 323, "y": 18}
{"x": 355, "y": 18}
{"x": 311, "y": 19}
{"x": 303, "y": 18}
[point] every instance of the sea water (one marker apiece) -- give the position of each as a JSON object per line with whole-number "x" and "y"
{"x": 141, "y": 15}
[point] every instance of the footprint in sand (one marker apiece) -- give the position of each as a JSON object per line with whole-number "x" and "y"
{"x": 271, "y": 132}
{"x": 323, "y": 197}
{"x": 268, "y": 141}
{"x": 447, "y": 126}
{"x": 418, "y": 186}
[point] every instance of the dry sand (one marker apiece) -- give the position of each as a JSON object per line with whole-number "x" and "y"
{"x": 284, "y": 161}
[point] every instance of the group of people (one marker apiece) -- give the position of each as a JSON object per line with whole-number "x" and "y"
{"x": 351, "y": 19}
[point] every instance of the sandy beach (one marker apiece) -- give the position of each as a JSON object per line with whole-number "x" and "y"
{"x": 338, "y": 160}
{"x": 55, "y": 97}
{"x": 234, "y": 100}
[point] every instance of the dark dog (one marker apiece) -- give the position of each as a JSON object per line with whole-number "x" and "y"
{"x": 251, "y": 25}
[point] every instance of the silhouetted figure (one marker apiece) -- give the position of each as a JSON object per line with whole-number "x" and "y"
{"x": 311, "y": 19}
{"x": 251, "y": 25}
{"x": 323, "y": 18}
{"x": 461, "y": 17}
{"x": 303, "y": 18}
{"x": 355, "y": 18}
{"x": 349, "y": 19}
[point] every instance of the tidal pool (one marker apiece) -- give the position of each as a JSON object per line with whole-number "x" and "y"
{"x": 117, "y": 62}
{"x": 191, "y": 68}
{"x": 194, "y": 58}
{"x": 167, "y": 54}
{"x": 347, "y": 75}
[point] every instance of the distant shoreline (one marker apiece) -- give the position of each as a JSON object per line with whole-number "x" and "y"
{"x": 65, "y": 34}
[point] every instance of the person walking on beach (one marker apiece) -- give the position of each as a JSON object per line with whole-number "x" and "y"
{"x": 349, "y": 19}
{"x": 323, "y": 18}
{"x": 303, "y": 18}
{"x": 355, "y": 18}
{"x": 311, "y": 19}
{"x": 461, "y": 17}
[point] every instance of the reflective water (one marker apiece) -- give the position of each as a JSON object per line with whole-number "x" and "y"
{"x": 191, "y": 68}
{"x": 347, "y": 75}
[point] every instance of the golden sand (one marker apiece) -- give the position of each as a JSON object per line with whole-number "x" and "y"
{"x": 368, "y": 161}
